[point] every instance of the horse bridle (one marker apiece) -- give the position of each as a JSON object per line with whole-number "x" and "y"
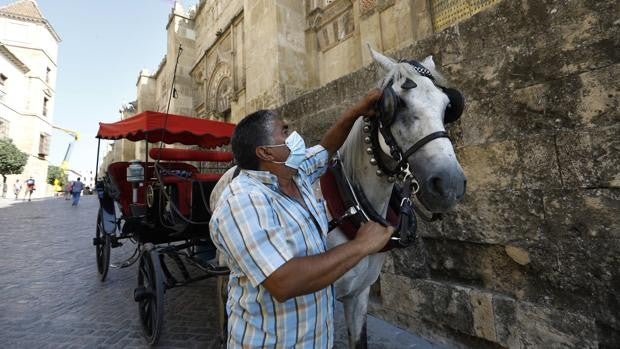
{"x": 387, "y": 107}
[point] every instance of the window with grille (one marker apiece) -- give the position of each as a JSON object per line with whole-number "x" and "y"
{"x": 449, "y": 12}
{"x": 3, "y": 79}
{"x": 45, "y": 105}
{"x": 44, "y": 145}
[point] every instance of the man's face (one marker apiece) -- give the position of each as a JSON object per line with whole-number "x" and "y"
{"x": 280, "y": 133}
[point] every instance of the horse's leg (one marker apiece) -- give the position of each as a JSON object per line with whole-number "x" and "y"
{"x": 355, "y": 308}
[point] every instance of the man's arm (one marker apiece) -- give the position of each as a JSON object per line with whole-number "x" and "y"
{"x": 304, "y": 275}
{"x": 337, "y": 134}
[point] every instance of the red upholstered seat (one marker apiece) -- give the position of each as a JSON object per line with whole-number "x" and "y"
{"x": 118, "y": 176}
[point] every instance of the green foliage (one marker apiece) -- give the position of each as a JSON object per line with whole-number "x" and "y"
{"x": 55, "y": 172}
{"x": 12, "y": 160}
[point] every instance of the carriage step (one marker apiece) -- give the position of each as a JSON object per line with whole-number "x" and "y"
{"x": 97, "y": 241}
{"x": 141, "y": 293}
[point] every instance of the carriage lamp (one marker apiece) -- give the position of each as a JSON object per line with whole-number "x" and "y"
{"x": 135, "y": 175}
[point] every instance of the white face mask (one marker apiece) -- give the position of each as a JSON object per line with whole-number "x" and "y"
{"x": 297, "y": 146}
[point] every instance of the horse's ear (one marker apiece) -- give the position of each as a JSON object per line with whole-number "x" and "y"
{"x": 385, "y": 62}
{"x": 428, "y": 63}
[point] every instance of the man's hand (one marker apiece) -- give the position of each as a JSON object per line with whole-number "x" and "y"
{"x": 303, "y": 275}
{"x": 372, "y": 236}
{"x": 334, "y": 137}
{"x": 366, "y": 105}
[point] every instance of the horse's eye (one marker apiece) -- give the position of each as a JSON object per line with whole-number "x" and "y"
{"x": 408, "y": 84}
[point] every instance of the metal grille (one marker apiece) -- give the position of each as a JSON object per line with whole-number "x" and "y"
{"x": 449, "y": 12}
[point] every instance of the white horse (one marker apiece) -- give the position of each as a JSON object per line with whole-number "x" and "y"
{"x": 416, "y": 108}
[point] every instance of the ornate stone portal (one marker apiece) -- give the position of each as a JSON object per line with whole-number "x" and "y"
{"x": 219, "y": 92}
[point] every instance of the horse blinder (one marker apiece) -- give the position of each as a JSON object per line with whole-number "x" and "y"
{"x": 455, "y": 106}
{"x": 387, "y": 105}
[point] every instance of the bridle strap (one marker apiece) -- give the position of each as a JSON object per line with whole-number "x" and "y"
{"x": 419, "y": 144}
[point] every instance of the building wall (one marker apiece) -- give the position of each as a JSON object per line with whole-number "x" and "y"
{"x": 240, "y": 56}
{"x": 530, "y": 259}
{"x": 36, "y": 47}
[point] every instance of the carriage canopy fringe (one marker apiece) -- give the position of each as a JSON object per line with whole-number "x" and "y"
{"x": 182, "y": 129}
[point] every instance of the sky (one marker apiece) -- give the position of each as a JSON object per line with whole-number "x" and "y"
{"x": 105, "y": 44}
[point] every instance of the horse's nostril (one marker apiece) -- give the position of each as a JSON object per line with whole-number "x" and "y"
{"x": 461, "y": 192}
{"x": 436, "y": 185}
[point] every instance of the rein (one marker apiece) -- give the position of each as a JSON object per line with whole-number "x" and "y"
{"x": 358, "y": 210}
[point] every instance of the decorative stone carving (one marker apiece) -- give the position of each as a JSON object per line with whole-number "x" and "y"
{"x": 222, "y": 96}
{"x": 367, "y": 5}
{"x": 332, "y": 20}
{"x": 220, "y": 89}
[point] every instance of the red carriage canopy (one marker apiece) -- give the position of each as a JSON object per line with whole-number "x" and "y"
{"x": 187, "y": 130}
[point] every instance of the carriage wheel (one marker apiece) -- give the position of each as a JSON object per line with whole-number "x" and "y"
{"x": 103, "y": 245}
{"x": 222, "y": 296}
{"x": 150, "y": 294}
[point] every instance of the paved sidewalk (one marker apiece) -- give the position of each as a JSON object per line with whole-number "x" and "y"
{"x": 51, "y": 296}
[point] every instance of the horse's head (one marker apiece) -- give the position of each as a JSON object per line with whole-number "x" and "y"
{"x": 414, "y": 109}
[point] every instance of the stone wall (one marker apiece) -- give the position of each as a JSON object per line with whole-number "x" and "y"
{"x": 531, "y": 258}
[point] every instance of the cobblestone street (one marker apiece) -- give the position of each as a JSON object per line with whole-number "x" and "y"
{"x": 51, "y": 296}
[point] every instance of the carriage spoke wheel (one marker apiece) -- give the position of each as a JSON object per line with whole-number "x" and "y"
{"x": 102, "y": 248}
{"x": 150, "y": 294}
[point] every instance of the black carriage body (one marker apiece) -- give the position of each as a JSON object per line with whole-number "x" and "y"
{"x": 166, "y": 214}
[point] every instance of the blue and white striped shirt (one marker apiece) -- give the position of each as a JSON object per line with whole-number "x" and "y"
{"x": 258, "y": 228}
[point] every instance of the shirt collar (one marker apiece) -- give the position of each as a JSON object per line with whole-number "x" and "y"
{"x": 264, "y": 177}
{"x": 267, "y": 177}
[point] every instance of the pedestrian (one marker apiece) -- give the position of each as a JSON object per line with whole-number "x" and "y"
{"x": 67, "y": 190}
{"x": 17, "y": 187}
{"x": 30, "y": 188}
{"x": 76, "y": 190}
{"x": 271, "y": 230}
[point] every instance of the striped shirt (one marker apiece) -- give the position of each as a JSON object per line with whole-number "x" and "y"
{"x": 258, "y": 228}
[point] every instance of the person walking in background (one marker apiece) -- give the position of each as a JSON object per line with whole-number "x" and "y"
{"x": 29, "y": 188}
{"x": 67, "y": 190}
{"x": 17, "y": 187}
{"x": 76, "y": 190}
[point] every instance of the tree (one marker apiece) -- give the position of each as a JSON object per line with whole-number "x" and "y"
{"x": 56, "y": 173}
{"x": 12, "y": 161}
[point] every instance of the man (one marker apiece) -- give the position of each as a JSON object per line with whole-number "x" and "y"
{"x": 271, "y": 230}
{"x": 30, "y": 188}
{"x": 76, "y": 190}
{"x": 17, "y": 187}
{"x": 67, "y": 190}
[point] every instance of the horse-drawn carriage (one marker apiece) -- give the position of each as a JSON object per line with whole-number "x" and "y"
{"x": 162, "y": 206}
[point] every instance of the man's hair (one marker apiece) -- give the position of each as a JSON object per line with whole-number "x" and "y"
{"x": 254, "y": 130}
{"x": 78, "y": 178}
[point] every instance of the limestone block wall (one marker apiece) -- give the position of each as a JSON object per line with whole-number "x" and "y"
{"x": 531, "y": 258}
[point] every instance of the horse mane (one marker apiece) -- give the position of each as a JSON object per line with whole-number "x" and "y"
{"x": 352, "y": 151}
{"x": 403, "y": 69}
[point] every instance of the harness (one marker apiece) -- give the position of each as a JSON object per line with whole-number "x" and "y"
{"x": 353, "y": 209}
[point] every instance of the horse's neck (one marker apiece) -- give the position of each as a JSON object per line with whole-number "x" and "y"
{"x": 356, "y": 163}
